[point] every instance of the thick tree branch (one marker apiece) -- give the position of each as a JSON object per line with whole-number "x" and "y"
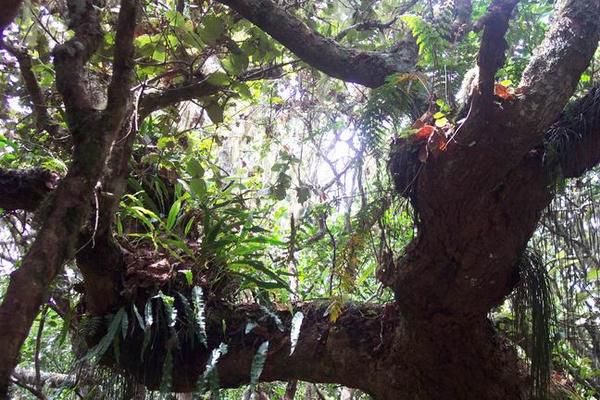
{"x": 10, "y": 8}
{"x": 552, "y": 74}
{"x": 70, "y": 59}
{"x": 119, "y": 96}
{"x": 69, "y": 207}
{"x": 25, "y": 189}
{"x": 155, "y": 101}
{"x": 364, "y": 67}
{"x": 369, "y": 347}
{"x": 189, "y": 91}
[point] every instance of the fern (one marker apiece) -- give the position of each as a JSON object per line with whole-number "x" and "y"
{"x": 391, "y": 106}
{"x": 429, "y": 37}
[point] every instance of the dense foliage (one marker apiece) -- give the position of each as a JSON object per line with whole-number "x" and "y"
{"x": 256, "y": 179}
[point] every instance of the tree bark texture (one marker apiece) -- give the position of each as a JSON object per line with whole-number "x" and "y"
{"x": 478, "y": 201}
{"x": 93, "y": 133}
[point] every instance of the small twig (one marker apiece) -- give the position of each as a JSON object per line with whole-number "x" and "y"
{"x": 38, "y": 346}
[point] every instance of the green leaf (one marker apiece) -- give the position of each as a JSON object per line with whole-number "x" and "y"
{"x": 173, "y": 213}
{"x": 139, "y": 318}
{"x": 213, "y": 29}
{"x": 215, "y": 112}
{"x": 260, "y": 266}
{"x": 169, "y": 303}
{"x": 236, "y": 63}
{"x": 218, "y": 79}
{"x": 105, "y": 342}
{"x": 194, "y": 168}
{"x": 189, "y": 276}
{"x": 440, "y": 123}
{"x": 166, "y": 380}
{"x": 273, "y": 316}
{"x": 124, "y": 325}
{"x": 260, "y": 283}
{"x": 148, "y": 314}
{"x": 198, "y": 187}
{"x": 210, "y": 377}
{"x": 302, "y": 193}
{"x": 243, "y": 90}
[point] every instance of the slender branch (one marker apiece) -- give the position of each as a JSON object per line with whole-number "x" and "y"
{"x": 365, "y": 26}
{"x": 155, "y": 101}
{"x": 38, "y": 100}
{"x": 38, "y": 348}
{"x": 202, "y": 88}
{"x": 364, "y": 67}
{"x": 36, "y": 392}
{"x": 48, "y": 379}
{"x": 290, "y": 390}
{"x": 493, "y": 48}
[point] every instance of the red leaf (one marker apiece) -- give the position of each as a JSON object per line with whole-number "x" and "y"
{"x": 503, "y": 92}
{"x": 425, "y": 132}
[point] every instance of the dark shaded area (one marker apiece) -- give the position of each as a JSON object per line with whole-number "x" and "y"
{"x": 25, "y": 189}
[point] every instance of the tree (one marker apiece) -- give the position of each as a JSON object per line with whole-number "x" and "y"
{"x": 478, "y": 178}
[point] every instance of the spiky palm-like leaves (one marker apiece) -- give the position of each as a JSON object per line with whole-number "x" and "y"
{"x": 534, "y": 315}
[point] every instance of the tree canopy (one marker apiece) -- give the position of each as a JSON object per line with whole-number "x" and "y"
{"x": 300, "y": 198}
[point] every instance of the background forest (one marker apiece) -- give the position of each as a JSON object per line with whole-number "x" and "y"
{"x": 256, "y": 179}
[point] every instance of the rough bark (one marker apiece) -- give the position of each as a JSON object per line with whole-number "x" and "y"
{"x": 364, "y": 67}
{"x": 156, "y": 101}
{"x": 370, "y": 347}
{"x": 554, "y": 71}
{"x": 25, "y": 189}
{"x": 478, "y": 203}
{"x": 10, "y": 8}
{"x": 93, "y": 134}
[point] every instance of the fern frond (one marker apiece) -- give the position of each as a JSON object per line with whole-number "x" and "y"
{"x": 392, "y": 105}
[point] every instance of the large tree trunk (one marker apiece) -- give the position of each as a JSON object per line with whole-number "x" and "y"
{"x": 478, "y": 200}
